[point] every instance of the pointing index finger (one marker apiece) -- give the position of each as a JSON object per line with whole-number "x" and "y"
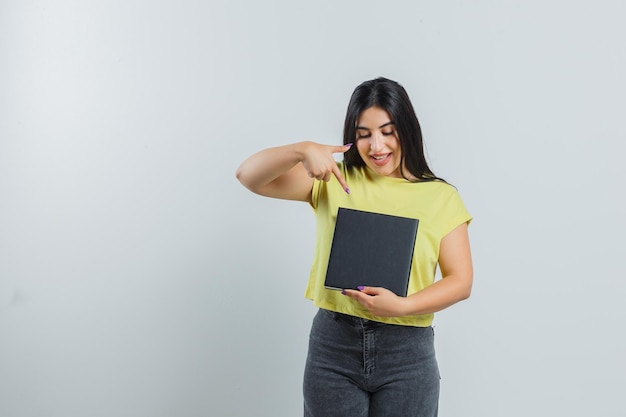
{"x": 337, "y": 173}
{"x": 341, "y": 179}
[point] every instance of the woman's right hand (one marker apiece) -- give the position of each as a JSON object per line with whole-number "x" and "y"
{"x": 288, "y": 171}
{"x": 319, "y": 163}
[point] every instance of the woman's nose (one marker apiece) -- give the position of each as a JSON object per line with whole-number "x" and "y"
{"x": 376, "y": 142}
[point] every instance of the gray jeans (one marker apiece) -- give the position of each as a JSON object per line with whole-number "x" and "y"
{"x": 361, "y": 368}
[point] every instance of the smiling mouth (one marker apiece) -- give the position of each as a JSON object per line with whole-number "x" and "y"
{"x": 380, "y": 159}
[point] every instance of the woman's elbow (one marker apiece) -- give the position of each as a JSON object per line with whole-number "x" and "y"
{"x": 464, "y": 287}
{"x": 240, "y": 173}
{"x": 243, "y": 178}
{"x": 466, "y": 290}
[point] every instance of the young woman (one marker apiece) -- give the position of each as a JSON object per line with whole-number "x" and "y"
{"x": 371, "y": 352}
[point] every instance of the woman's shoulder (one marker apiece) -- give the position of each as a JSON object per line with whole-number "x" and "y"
{"x": 441, "y": 188}
{"x": 439, "y": 185}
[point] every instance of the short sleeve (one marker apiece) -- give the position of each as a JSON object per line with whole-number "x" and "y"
{"x": 315, "y": 193}
{"x": 454, "y": 212}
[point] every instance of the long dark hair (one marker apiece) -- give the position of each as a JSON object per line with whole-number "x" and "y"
{"x": 393, "y": 98}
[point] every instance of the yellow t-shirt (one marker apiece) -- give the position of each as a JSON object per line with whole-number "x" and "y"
{"x": 436, "y": 204}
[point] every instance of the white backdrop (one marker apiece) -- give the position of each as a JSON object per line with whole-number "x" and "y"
{"x": 138, "y": 278}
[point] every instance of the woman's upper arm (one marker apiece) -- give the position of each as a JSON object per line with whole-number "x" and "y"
{"x": 294, "y": 184}
{"x": 276, "y": 172}
{"x": 455, "y": 259}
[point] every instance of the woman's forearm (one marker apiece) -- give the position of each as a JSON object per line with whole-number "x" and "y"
{"x": 288, "y": 171}
{"x": 265, "y": 166}
{"x": 440, "y": 295}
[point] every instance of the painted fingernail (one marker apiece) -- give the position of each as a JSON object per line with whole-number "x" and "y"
{"x": 347, "y": 190}
{"x": 360, "y": 288}
{"x": 344, "y": 292}
{"x": 348, "y": 144}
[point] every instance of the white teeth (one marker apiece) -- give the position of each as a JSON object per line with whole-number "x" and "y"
{"x": 378, "y": 158}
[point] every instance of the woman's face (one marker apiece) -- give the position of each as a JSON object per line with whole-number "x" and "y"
{"x": 377, "y": 142}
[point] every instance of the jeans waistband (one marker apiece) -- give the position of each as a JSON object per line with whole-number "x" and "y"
{"x": 354, "y": 320}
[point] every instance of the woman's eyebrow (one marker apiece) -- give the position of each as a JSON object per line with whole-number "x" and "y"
{"x": 389, "y": 123}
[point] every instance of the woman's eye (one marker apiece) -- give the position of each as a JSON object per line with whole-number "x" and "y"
{"x": 388, "y": 133}
{"x": 363, "y": 135}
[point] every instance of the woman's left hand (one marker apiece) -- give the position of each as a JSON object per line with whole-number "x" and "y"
{"x": 379, "y": 301}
